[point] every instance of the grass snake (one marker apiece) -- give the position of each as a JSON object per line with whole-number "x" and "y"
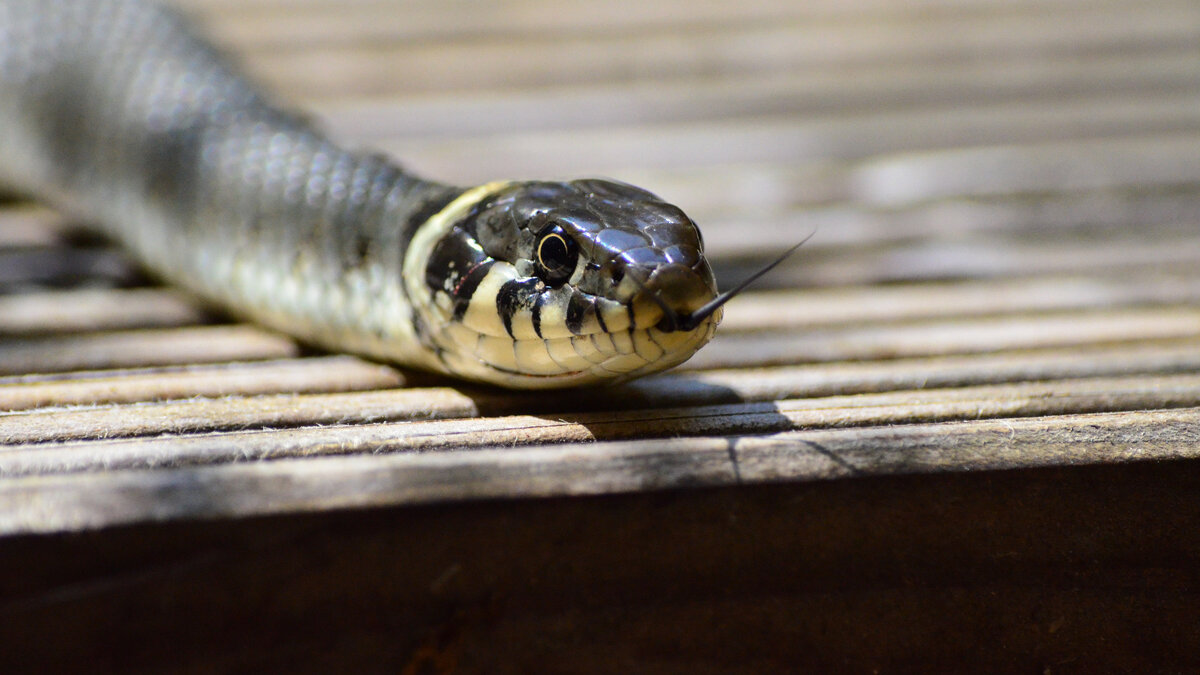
{"x": 116, "y": 110}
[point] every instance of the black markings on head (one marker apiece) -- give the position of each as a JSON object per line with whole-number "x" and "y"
{"x": 537, "y": 314}
{"x": 461, "y": 294}
{"x": 456, "y": 267}
{"x": 600, "y": 319}
{"x": 515, "y": 295}
{"x": 577, "y": 308}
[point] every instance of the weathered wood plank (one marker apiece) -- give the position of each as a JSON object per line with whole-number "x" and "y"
{"x": 481, "y": 62}
{"x": 262, "y": 411}
{"x": 84, "y": 501}
{"x": 953, "y": 258}
{"x": 796, "y": 139}
{"x": 77, "y": 311}
{"x": 343, "y": 373}
{"x": 118, "y": 349}
{"x": 262, "y": 25}
{"x": 802, "y": 92}
{"x": 1111, "y": 163}
{"x": 966, "y": 571}
{"x": 245, "y": 378}
{"x": 830, "y": 306}
{"x": 1031, "y": 399}
{"x": 945, "y": 337}
{"x": 709, "y": 387}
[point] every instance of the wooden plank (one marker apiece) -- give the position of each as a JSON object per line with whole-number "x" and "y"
{"x": 262, "y": 411}
{"x": 831, "y": 306}
{"x": 800, "y": 92}
{"x": 820, "y": 139}
{"x": 262, "y": 25}
{"x": 753, "y": 202}
{"x": 482, "y": 61}
{"x": 840, "y": 378}
{"x": 56, "y": 503}
{"x": 119, "y": 349}
{"x": 83, "y": 310}
{"x": 958, "y": 336}
{"x": 1132, "y": 255}
{"x": 1004, "y": 570}
{"x": 1030, "y": 399}
{"x": 1111, "y": 163}
{"x": 246, "y": 378}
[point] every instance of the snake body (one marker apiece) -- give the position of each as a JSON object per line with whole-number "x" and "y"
{"x": 118, "y": 111}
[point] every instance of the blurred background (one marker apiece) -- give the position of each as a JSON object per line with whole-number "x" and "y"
{"x": 932, "y": 139}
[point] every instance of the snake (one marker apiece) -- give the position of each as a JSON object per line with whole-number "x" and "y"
{"x": 122, "y": 113}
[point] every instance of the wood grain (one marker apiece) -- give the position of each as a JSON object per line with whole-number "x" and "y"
{"x": 53, "y": 503}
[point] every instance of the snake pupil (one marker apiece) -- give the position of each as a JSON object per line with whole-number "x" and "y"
{"x": 556, "y": 255}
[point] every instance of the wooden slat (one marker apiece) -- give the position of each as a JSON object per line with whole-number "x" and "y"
{"x": 1129, "y": 256}
{"x": 307, "y": 23}
{"x": 330, "y": 373}
{"x": 78, "y": 501}
{"x": 481, "y": 62}
{"x": 962, "y": 336}
{"x": 819, "y": 307}
{"x": 95, "y": 310}
{"x": 140, "y": 348}
{"x": 798, "y": 92}
{"x": 1024, "y": 400}
{"x": 784, "y": 137}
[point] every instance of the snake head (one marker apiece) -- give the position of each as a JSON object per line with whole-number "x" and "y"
{"x": 548, "y": 284}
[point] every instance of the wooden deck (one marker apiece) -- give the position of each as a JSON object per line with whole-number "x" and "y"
{"x": 959, "y": 430}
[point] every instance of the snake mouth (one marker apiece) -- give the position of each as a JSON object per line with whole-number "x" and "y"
{"x": 688, "y": 319}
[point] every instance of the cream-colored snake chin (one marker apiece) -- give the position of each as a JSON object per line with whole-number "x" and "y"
{"x": 116, "y": 111}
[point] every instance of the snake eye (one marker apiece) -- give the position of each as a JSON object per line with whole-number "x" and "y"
{"x": 556, "y": 255}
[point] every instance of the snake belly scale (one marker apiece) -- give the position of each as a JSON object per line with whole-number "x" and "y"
{"x": 117, "y": 111}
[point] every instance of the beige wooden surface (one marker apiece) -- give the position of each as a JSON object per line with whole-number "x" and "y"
{"x": 1005, "y": 275}
{"x": 1004, "y": 198}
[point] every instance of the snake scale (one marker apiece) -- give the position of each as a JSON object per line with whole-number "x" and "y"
{"x": 116, "y": 110}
